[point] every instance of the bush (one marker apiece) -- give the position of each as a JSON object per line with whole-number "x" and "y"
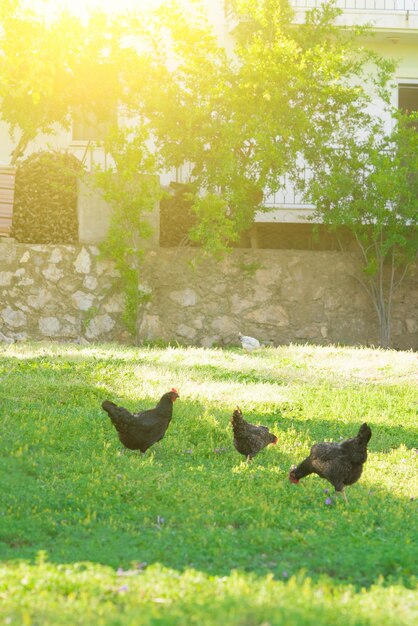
{"x": 45, "y": 208}
{"x": 176, "y": 216}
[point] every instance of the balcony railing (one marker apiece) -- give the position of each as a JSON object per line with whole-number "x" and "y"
{"x": 349, "y": 5}
{"x": 287, "y": 196}
{"x": 362, "y": 5}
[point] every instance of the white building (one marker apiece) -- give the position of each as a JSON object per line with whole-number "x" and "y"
{"x": 395, "y": 25}
{"x": 395, "y": 36}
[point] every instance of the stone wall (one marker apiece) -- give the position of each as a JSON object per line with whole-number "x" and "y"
{"x": 68, "y": 293}
{"x": 279, "y": 295}
{"x": 58, "y": 292}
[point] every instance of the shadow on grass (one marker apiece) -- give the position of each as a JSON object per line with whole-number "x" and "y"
{"x": 205, "y": 511}
{"x": 209, "y": 372}
{"x": 190, "y": 502}
{"x": 384, "y": 437}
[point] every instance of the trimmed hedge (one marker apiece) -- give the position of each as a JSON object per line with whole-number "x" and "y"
{"x": 45, "y": 207}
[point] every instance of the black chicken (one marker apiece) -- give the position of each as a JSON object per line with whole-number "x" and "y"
{"x": 139, "y": 431}
{"x": 248, "y": 438}
{"x": 339, "y": 463}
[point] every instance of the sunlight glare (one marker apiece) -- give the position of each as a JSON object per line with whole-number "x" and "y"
{"x": 83, "y": 7}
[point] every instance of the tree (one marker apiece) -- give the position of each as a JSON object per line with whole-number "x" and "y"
{"x": 49, "y": 69}
{"x": 287, "y": 95}
{"x": 240, "y": 118}
{"x": 246, "y": 119}
{"x": 132, "y": 188}
{"x": 369, "y": 185}
{"x": 53, "y": 69}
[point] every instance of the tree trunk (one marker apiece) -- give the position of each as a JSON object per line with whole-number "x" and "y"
{"x": 19, "y": 149}
{"x": 385, "y": 325}
{"x": 380, "y": 288}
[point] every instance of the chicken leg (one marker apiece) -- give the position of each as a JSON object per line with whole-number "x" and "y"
{"x": 342, "y": 494}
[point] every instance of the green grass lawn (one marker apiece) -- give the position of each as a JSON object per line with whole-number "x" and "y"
{"x": 189, "y": 533}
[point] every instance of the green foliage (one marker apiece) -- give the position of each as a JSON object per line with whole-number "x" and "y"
{"x": 88, "y": 316}
{"x": 51, "y": 68}
{"x": 214, "y": 227}
{"x": 189, "y": 533}
{"x": 45, "y": 204}
{"x": 176, "y": 215}
{"x": 368, "y": 183}
{"x": 240, "y": 118}
{"x": 250, "y": 269}
{"x": 247, "y": 118}
{"x": 32, "y": 75}
{"x": 132, "y": 189}
{"x": 94, "y": 595}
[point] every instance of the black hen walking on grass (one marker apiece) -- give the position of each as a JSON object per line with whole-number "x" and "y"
{"x": 139, "y": 431}
{"x": 248, "y": 438}
{"x": 339, "y": 463}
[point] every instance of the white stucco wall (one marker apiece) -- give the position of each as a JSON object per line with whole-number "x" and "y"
{"x": 58, "y": 140}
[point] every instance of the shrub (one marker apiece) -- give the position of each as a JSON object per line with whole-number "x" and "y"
{"x": 45, "y": 208}
{"x": 176, "y": 216}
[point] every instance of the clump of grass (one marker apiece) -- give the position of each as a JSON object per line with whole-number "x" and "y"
{"x": 224, "y": 541}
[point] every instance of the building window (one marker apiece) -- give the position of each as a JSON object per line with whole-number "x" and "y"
{"x": 408, "y": 97}
{"x": 90, "y": 126}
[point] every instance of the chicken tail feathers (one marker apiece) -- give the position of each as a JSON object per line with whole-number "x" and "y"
{"x": 364, "y": 434}
{"x": 119, "y": 416}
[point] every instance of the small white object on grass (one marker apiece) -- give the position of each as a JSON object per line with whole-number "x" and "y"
{"x": 249, "y": 343}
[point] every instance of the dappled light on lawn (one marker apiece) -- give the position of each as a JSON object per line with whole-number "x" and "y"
{"x": 153, "y": 594}
{"x": 190, "y": 530}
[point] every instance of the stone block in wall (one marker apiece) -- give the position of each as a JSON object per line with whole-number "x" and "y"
{"x": 39, "y": 299}
{"x": 273, "y": 314}
{"x": 411, "y": 325}
{"x": 49, "y": 326}
{"x": 188, "y": 332}
{"x": 240, "y": 304}
{"x": 150, "y": 327}
{"x": 82, "y": 300}
{"x": 6, "y": 279}
{"x": 53, "y": 273}
{"x": 186, "y": 297}
{"x": 8, "y": 251}
{"x": 225, "y": 326}
{"x": 82, "y": 264}
{"x": 13, "y": 318}
{"x": 56, "y": 292}
{"x": 99, "y": 326}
